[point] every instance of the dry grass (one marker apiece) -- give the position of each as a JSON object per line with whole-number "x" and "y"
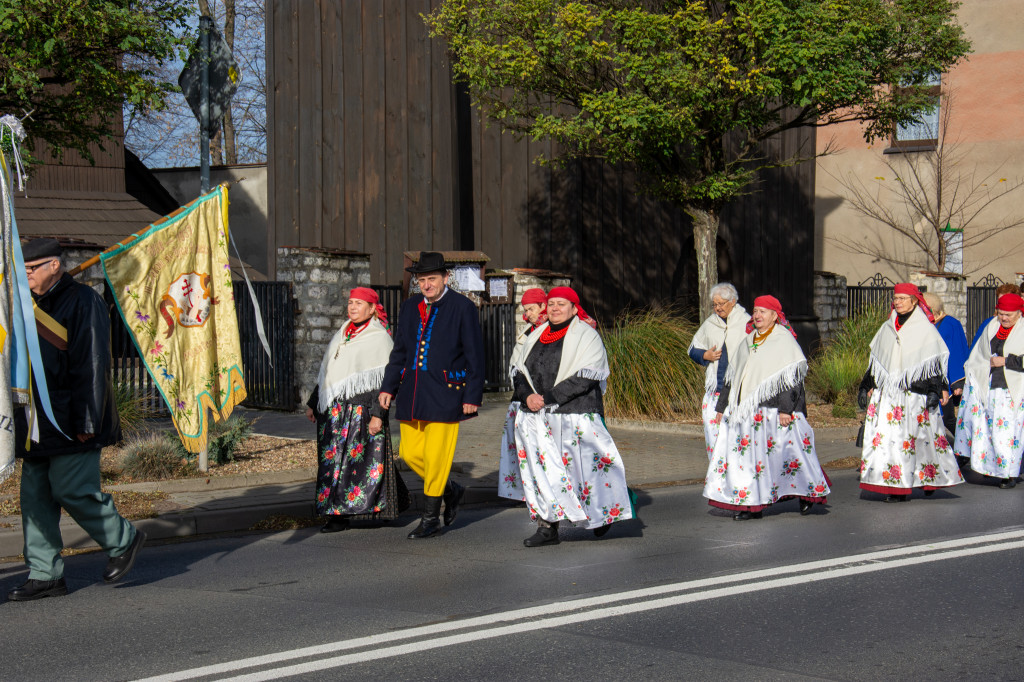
{"x": 131, "y": 505}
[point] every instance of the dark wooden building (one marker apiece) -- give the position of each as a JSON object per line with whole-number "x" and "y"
{"x": 373, "y": 148}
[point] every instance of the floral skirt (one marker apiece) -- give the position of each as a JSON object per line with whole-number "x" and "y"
{"x": 510, "y": 483}
{"x": 756, "y": 462}
{"x": 905, "y": 446}
{"x": 990, "y": 435}
{"x": 708, "y": 412}
{"x": 570, "y": 469}
{"x": 356, "y": 475}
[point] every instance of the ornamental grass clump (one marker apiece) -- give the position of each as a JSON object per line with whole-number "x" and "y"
{"x": 837, "y": 368}
{"x": 652, "y": 377}
{"x": 152, "y": 457}
{"x": 132, "y": 408}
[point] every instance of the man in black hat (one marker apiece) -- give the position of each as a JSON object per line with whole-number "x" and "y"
{"x": 62, "y": 470}
{"x": 436, "y": 374}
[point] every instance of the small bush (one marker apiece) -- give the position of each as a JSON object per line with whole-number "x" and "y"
{"x": 222, "y": 440}
{"x": 152, "y": 457}
{"x": 652, "y": 377}
{"x": 836, "y": 370}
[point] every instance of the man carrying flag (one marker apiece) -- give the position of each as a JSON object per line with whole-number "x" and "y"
{"x": 64, "y": 471}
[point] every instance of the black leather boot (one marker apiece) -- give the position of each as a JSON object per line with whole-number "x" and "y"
{"x": 453, "y": 493}
{"x": 545, "y": 535}
{"x": 430, "y": 524}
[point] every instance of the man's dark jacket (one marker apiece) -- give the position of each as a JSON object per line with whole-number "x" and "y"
{"x": 78, "y": 378}
{"x": 436, "y": 367}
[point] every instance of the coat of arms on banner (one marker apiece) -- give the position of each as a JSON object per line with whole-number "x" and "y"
{"x": 172, "y": 285}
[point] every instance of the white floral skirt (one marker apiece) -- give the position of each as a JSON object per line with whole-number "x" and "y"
{"x": 990, "y": 435}
{"x": 905, "y": 446}
{"x": 510, "y": 483}
{"x": 708, "y": 411}
{"x": 570, "y": 469}
{"x": 756, "y": 462}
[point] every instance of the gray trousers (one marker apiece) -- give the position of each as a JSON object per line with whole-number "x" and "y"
{"x": 71, "y": 482}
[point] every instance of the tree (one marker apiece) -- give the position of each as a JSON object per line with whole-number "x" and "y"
{"x": 933, "y": 201}
{"x": 687, "y": 92}
{"x": 170, "y": 137}
{"x": 70, "y": 65}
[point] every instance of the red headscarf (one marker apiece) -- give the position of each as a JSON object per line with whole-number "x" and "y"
{"x": 907, "y": 289}
{"x": 1010, "y": 303}
{"x": 536, "y": 296}
{"x": 771, "y": 303}
{"x": 370, "y": 296}
{"x": 568, "y": 294}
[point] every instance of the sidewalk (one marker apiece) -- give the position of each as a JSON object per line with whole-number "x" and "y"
{"x": 655, "y": 455}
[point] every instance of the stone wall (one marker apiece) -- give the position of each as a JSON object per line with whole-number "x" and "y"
{"x": 321, "y": 280}
{"x": 831, "y": 303}
{"x": 93, "y": 276}
{"x": 529, "y": 278}
{"x": 952, "y": 289}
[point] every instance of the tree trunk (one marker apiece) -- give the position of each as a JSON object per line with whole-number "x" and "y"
{"x": 228, "y": 124}
{"x": 705, "y": 238}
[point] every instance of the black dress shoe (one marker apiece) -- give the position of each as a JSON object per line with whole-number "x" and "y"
{"x": 747, "y": 515}
{"x": 601, "y": 531}
{"x": 896, "y": 498}
{"x": 805, "y": 507}
{"x": 452, "y": 498}
{"x": 1008, "y": 483}
{"x": 335, "y": 524}
{"x": 545, "y": 535}
{"x": 37, "y": 589}
{"x": 117, "y": 567}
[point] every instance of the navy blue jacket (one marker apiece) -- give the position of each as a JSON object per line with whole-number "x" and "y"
{"x": 697, "y": 355}
{"x": 436, "y": 367}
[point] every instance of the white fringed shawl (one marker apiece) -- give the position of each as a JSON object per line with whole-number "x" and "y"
{"x": 978, "y": 367}
{"x": 755, "y": 376}
{"x": 583, "y": 354}
{"x": 716, "y": 332}
{"x": 353, "y": 367}
{"x": 915, "y": 352}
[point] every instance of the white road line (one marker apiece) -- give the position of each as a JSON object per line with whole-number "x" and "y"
{"x": 797, "y": 574}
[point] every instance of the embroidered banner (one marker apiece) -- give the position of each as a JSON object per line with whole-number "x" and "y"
{"x": 172, "y": 285}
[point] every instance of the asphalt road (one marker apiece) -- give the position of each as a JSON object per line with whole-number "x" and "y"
{"x": 861, "y": 589}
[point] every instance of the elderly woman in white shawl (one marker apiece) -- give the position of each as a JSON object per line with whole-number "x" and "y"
{"x": 990, "y": 426}
{"x": 569, "y": 465}
{"x": 765, "y": 449}
{"x": 356, "y": 473}
{"x": 718, "y": 339}
{"x": 905, "y": 446}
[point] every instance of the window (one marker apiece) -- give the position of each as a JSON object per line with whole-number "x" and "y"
{"x": 922, "y": 135}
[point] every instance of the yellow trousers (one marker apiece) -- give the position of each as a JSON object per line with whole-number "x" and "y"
{"x": 429, "y": 448}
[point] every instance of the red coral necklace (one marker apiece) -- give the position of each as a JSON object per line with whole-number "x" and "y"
{"x": 548, "y": 336}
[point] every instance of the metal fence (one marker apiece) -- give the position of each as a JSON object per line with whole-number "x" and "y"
{"x": 390, "y": 298}
{"x": 267, "y": 387}
{"x": 872, "y": 292}
{"x": 498, "y": 324}
{"x": 981, "y": 302}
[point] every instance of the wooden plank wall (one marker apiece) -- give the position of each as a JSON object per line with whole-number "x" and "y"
{"x": 362, "y": 148}
{"x": 71, "y": 172}
{"x": 364, "y": 155}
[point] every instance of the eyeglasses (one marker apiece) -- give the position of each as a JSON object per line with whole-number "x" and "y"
{"x": 723, "y": 304}
{"x": 29, "y": 269}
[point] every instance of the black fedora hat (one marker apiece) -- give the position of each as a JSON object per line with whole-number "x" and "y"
{"x": 430, "y": 261}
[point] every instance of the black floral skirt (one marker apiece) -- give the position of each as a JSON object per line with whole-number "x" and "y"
{"x": 356, "y": 475}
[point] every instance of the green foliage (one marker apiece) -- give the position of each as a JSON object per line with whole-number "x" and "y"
{"x": 73, "y": 64}
{"x": 652, "y": 377}
{"x": 222, "y": 441}
{"x": 664, "y": 85}
{"x": 131, "y": 408}
{"x": 153, "y": 457}
{"x": 836, "y": 370}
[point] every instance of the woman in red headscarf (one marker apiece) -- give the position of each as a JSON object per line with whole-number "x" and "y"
{"x": 568, "y": 463}
{"x": 990, "y": 427}
{"x": 535, "y": 313}
{"x": 764, "y": 452}
{"x": 356, "y": 474}
{"x": 905, "y": 445}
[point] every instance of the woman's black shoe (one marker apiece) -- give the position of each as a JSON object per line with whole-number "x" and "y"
{"x": 1008, "y": 483}
{"x": 545, "y": 535}
{"x": 746, "y": 515}
{"x": 929, "y": 493}
{"x": 335, "y": 524}
{"x": 601, "y": 531}
{"x": 805, "y": 507}
{"x": 896, "y": 498}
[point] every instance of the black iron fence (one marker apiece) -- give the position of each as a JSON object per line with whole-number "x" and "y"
{"x": 267, "y": 387}
{"x": 498, "y": 324}
{"x": 390, "y": 298}
{"x": 981, "y": 302}
{"x": 871, "y": 293}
